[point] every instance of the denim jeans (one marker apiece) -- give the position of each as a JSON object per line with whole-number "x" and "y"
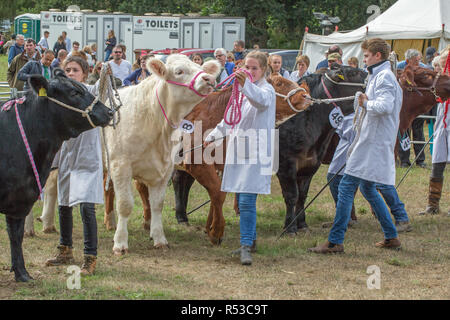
{"x": 108, "y": 53}
{"x": 394, "y": 203}
{"x": 334, "y": 185}
{"x": 247, "y": 221}
{"x": 87, "y": 211}
{"x": 347, "y": 189}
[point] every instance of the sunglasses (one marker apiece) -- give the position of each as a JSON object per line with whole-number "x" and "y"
{"x": 219, "y": 55}
{"x": 117, "y": 51}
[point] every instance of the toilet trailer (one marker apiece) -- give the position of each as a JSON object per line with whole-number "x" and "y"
{"x": 55, "y": 22}
{"x": 214, "y": 31}
{"x": 97, "y": 25}
{"x": 29, "y": 25}
{"x": 156, "y": 32}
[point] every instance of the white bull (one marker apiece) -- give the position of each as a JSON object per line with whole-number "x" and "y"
{"x": 141, "y": 146}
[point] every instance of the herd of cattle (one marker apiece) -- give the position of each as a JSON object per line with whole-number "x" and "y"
{"x": 141, "y": 145}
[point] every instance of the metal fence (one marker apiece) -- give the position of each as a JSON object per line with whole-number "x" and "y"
{"x": 7, "y": 93}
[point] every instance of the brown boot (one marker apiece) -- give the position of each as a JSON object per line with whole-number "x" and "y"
{"x": 328, "y": 247}
{"x": 389, "y": 244}
{"x": 434, "y": 195}
{"x": 65, "y": 256}
{"x": 88, "y": 267}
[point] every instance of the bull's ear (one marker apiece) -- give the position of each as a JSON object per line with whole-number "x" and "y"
{"x": 157, "y": 67}
{"x": 39, "y": 84}
{"x": 407, "y": 77}
{"x": 212, "y": 67}
{"x": 57, "y": 72}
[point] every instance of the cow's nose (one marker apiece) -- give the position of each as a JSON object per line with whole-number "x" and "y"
{"x": 110, "y": 112}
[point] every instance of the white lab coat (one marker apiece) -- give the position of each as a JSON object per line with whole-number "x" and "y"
{"x": 258, "y": 112}
{"x": 346, "y": 135}
{"x": 80, "y": 176}
{"x": 441, "y": 140}
{"x": 373, "y": 158}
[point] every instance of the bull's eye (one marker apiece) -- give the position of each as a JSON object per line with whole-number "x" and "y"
{"x": 179, "y": 72}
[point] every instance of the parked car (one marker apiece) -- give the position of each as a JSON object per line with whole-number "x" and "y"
{"x": 289, "y": 57}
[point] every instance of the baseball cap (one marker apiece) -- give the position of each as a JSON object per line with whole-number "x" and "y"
{"x": 430, "y": 52}
{"x": 334, "y": 56}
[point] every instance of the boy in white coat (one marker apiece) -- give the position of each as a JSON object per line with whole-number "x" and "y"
{"x": 372, "y": 160}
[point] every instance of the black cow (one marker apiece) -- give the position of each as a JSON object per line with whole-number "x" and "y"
{"x": 305, "y": 138}
{"x": 46, "y": 124}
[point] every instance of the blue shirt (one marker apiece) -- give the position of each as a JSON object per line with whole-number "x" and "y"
{"x": 14, "y": 51}
{"x": 402, "y": 65}
{"x": 322, "y": 64}
{"x": 239, "y": 55}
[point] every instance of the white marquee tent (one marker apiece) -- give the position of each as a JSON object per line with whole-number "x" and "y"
{"x": 406, "y": 24}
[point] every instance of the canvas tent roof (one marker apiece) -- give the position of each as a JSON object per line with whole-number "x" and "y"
{"x": 406, "y": 19}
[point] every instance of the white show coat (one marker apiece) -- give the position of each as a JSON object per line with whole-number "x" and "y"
{"x": 346, "y": 135}
{"x": 80, "y": 176}
{"x": 441, "y": 140}
{"x": 258, "y": 112}
{"x": 373, "y": 158}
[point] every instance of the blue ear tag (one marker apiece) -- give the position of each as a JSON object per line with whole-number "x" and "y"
{"x": 42, "y": 92}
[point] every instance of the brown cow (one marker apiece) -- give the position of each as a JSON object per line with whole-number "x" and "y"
{"x": 210, "y": 111}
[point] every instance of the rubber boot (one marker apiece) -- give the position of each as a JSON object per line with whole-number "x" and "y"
{"x": 246, "y": 256}
{"x": 434, "y": 196}
{"x": 65, "y": 256}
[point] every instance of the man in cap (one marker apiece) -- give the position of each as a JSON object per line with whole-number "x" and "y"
{"x": 324, "y": 63}
{"x": 334, "y": 58}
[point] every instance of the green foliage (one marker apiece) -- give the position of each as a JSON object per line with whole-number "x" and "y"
{"x": 270, "y": 23}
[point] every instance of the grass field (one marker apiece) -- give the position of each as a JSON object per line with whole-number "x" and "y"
{"x": 195, "y": 269}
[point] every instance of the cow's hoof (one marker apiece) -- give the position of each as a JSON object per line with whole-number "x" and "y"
{"x": 184, "y": 223}
{"x": 215, "y": 241}
{"x": 110, "y": 227}
{"x": 120, "y": 252}
{"x": 24, "y": 276}
{"x": 303, "y": 229}
{"x": 146, "y": 225}
{"x": 39, "y": 219}
{"x": 51, "y": 229}
{"x": 163, "y": 246}
{"x": 29, "y": 234}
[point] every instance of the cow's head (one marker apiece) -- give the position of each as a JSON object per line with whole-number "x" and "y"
{"x": 291, "y": 97}
{"x": 181, "y": 70}
{"x": 413, "y": 77}
{"x": 73, "y": 94}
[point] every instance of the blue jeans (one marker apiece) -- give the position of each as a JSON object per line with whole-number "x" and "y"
{"x": 389, "y": 194}
{"x": 108, "y": 53}
{"x": 397, "y": 207}
{"x": 347, "y": 189}
{"x": 247, "y": 221}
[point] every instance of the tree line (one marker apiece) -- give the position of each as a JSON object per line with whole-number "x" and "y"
{"x": 270, "y": 23}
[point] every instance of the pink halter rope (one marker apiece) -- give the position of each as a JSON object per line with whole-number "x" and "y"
{"x": 446, "y": 68}
{"x": 235, "y": 102}
{"x": 8, "y": 106}
{"x": 190, "y": 85}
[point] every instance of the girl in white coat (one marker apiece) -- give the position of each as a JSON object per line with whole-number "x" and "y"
{"x": 79, "y": 182}
{"x": 441, "y": 149}
{"x": 248, "y": 170}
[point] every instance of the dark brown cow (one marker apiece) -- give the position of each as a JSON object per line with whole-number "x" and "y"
{"x": 210, "y": 111}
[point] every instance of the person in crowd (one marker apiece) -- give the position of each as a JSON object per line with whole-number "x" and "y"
{"x": 255, "y": 47}
{"x": 62, "y": 55}
{"x": 59, "y": 45}
{"x": 197, "y": 58}
{"x": 81, "y": 54}
{"x": 75, "y": 48}
{"x": 413, "y": 58}
{"x": 353, "y": 62}
{"x": 239, "y": 50}
{"x": 9, "y": 44}
{"x": 243, "y": 176}
{"x": 87, "y": 51}
{"x": 382, "y": 100}
{"x": 173, "y": 50}
{"x": 302, "y": 64}
{"x": 140, "y": 74}
{"x": 30, "y": 53}
{"x": 331, "y": 49}
{"x": 93, "y": 47}
{"x": 275, "y": 66}
{"x": 67, "y": 41}
{"x": 436, "y": 64}
{"x": 111, "y": 42}
{"x": 334, "y": 58}
{"x": 121, "y": 68}
{"x": 230, "y": 57}
{"x": 80, "y": 181}
{"x": 430, "y": 54}
{"x": 43, "y": 43}
{"x": 226, "y": 67}
{"x": 42, "y": 67}
{"x": 16, "y": 49}
{"x": 95, "y": 75}
{"x": 441, "y": 147}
